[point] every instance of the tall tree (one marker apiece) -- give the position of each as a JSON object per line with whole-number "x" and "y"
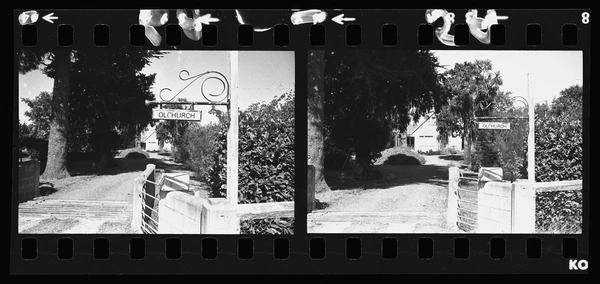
{"x": 569, "y": 103}
{"x": 39, "y": 114}
{"x": 57, "y": 65}
{"x": 109, "y": 91}
{"x": 105, "y": 104}
{"x": 472, "y": 87}
{"x": 370, "y": 93}
{"x": 316, "y": 96}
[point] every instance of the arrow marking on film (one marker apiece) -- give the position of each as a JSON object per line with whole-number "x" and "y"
{"x": 50, "y": 17}
{"x": 340, "y": 19}
{"x": 207, "y": 19}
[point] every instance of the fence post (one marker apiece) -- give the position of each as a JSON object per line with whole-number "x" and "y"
{"x": 136, "y": 206}
{"x": 523, "y": 208}
{"x": 219, "y": 217}
{"x": 310, "y": 188}
{"x": 452, "y": 214}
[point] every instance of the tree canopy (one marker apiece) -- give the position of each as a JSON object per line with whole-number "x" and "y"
{"x": 472, "y": 88}
{"x": 370, "y": 93}
{"x": 106, "y": 98}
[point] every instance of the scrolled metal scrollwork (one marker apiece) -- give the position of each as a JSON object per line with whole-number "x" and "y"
{"x": 211, "y": 98}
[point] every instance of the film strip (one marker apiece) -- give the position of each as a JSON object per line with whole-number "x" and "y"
{"x": 89, "y": 220}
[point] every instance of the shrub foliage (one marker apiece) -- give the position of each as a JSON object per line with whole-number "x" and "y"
{"x": 559, "y": 156}
{"x": 398, "y": 155}
{"x": 558, "y": 212}
{"x": 267, "y": 226}
{"x": 199, "y": 142}
{"x": 266, "y": 153}
{"x": 558, "y": 149}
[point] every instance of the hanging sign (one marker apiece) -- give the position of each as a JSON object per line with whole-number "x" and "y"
{"x": 176, "y": 114}
{"x": 494, "y": 125}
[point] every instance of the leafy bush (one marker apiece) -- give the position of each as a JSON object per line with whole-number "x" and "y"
{"x": 401, "y": 159}
{"x": 485, "y": 154}
{"x": 267, "y": 226}
{"x": 559, "y": 156}
{"x": 559, "y": 137}
{"x": 558, "y": 149}
{"x": 512, "y": 150}
{"x": 266, "y": 169}
{"x": 443, "y": 151}
{"x": 558, "y": 212}
{"x": 200, "y": 145}
{"x": 135, "y": 155}
{"x": 387, "y": 153}
{"x": 503, "y": 148}
{"x": 429, "y": 152}
{"x": 180, "y": 152}
{"x": 127, "y": 152}
{"x": 558, "y": 142}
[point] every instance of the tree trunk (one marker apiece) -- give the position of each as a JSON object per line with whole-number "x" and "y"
{"x": 56, "y": 167}
{"x": 316, "y": 117}
{"x": 468, "y": 150}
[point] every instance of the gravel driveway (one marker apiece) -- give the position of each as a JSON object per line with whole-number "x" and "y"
{"x": 410, "y": 199}
{"x": 59, "y": 210}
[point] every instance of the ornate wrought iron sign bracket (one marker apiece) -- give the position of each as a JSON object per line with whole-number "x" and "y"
{"x": 214, "y": 99}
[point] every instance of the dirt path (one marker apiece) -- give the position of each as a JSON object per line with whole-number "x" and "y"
{"x": 91, "y": 200}
{"x": 409, "y": 199}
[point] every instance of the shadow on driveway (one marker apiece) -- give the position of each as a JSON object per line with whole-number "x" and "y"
{"x": 393, "y": 176}
{"x": 122, "y": 165}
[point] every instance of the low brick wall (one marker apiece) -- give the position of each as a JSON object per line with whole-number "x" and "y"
{"x": 29, "y": 180}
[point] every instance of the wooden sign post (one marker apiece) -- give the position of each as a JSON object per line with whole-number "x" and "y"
{"x": 232, "y": 134}
{"x": 530, "y": 137}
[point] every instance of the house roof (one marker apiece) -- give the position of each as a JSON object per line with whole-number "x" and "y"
{"x": 148, "y": 133}
{"x": 411, "y": 129}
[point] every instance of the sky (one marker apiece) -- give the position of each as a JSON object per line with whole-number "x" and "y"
{"x": 549, "y": 71}
{"x": 266, "y": 74}
{"x": 263, "y": 75}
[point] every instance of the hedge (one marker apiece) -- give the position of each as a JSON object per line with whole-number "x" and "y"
{"x": 558, "y": 149}
{"x": 267, "y": 226}
{"x": 266, "y": 154}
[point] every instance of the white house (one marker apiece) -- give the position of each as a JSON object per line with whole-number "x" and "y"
{"x": 149, "y": 142}
{"x": 423, "y": 136}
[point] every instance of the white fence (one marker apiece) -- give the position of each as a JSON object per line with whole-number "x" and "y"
{"x": 168, "y": 206}
{"x": 496, "y": 206}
